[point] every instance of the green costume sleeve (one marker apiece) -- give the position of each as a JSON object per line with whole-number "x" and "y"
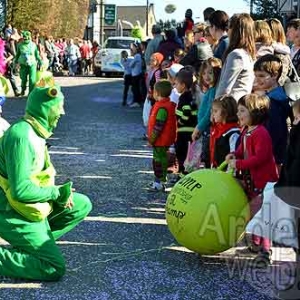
{"x": 19, "y": 162}
{"x": 161, "y": 118}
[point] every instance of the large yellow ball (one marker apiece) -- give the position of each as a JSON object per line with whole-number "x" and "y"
{"x": 207, "y": 211}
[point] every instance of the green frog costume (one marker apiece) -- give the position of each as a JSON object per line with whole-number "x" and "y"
{"x": 27, "y": 57}
{"x": 34, "y": 212}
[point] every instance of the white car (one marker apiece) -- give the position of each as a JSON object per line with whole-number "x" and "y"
{"x": 108, "y": 59}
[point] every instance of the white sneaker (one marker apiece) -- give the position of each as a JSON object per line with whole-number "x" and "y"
{"x": 156, "y": 187}
{"x": 134, "y": 104}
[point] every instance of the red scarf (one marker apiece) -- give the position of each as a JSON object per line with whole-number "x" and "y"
{"x": 216, "y": 131}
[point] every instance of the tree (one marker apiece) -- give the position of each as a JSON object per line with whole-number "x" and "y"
{"x": 49, "y": 17}
{"x": 263, "y": 9}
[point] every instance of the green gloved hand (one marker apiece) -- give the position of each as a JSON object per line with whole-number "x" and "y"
{"x": 65, "y": 192}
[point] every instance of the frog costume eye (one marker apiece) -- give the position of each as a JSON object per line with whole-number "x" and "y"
{"x": 52, "y": 92}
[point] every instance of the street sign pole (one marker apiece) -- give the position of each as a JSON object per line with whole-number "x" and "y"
{"x": 101, "y": 22}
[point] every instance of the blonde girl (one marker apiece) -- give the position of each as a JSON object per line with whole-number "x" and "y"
{"x": 208, "y": 77}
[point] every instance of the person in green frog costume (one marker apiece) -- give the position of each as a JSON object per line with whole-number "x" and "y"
{"x": 28, "y": 58}
{"x": 34, "y": 211}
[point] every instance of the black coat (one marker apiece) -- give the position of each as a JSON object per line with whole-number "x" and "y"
{"x": 288, "y": 185}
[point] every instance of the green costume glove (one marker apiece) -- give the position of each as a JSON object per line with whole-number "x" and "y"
{"x": 65, "y": 192}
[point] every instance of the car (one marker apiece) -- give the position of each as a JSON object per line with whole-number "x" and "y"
{"x": 108, "y": 58}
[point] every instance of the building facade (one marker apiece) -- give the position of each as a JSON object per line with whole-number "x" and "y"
{"x": 126, "y": 17}
{"x": 289, "y": 8}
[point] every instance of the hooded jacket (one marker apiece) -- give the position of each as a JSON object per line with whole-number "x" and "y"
{"x": 23, "y": 148}
{"x": 276, "y": 125}
{"x": 283, "y": 53}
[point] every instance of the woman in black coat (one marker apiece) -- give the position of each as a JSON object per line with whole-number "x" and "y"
{"x": 288, "y": 185}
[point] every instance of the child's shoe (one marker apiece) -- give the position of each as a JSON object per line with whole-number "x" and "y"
{"x": 250, "y": 250}
{"x": 156, "y": 187}
{"x": 262, "y": 260}
{"x": 173, "y": 179}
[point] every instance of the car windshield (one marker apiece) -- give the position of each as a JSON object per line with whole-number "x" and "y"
{"x": 118, "y": 44}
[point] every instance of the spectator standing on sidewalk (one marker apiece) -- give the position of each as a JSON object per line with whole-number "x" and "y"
{"x": 8, "y": 58}
{"x": 73, "y": 54}
{"x": 237, "y": 74}
{"x": 85, "y": 57}
{"x": 161, "y": 132}
{"x": 125, "y": 61}
{"x": 50, "y": 50}
{"x": 136, "y": 73}
{"x": 153, "y": 44}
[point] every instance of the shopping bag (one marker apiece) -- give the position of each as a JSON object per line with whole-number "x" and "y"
{"x": 292, "y": 89}
{"x": 193, "y": 158}
{"x": 146, "y": 111}
{"x": 275, "y": 220}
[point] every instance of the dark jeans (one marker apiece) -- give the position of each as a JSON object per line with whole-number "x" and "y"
{"x": 127, "y": 85}
{"x": 85, "y": 63}
{"x": 10, "y": 76}
{"x": 136, "y": 89}
{"x": 144, "y": 90}
{"x": 181, "y": 147}
{"x": 205, "y": 156}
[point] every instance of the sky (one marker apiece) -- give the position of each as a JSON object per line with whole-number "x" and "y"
{"x": 231, "y": 7}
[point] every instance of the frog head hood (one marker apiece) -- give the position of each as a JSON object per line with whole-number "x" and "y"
{"x": 44, "y": 107}
{"x": 26, "y": 36}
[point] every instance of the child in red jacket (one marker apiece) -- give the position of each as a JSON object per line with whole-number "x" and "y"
{"x": 161, "y": 132}
{"x": 254, "y": 159}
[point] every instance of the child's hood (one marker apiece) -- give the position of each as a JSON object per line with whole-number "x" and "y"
{"x": 281, "y": 48}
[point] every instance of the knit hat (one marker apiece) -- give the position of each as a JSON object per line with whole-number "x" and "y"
{"x": 188, "y": 13}
{"x": 204, "y": 49}
{"x": 174, "y": 69}
{"x": 158, "y": 56}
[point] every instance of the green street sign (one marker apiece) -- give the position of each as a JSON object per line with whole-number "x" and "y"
{"x": 109, "y": 14}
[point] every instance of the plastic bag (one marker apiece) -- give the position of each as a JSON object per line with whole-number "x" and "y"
{"x": 193, "y": 158}
{"x": 292, "y": 90}
{"x": 275, "y": 220}
{"x": 146, "y": 111}
{"x": 4, "y": 125}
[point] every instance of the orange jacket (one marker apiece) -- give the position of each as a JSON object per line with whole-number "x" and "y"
{"x": 168, "y": 135}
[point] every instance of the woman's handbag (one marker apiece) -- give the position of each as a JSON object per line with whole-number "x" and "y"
{"x": 292, "y": 89}
{"x": 275, "y": 220}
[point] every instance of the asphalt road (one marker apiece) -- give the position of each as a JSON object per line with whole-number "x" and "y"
{"x": 123, "y": 250}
